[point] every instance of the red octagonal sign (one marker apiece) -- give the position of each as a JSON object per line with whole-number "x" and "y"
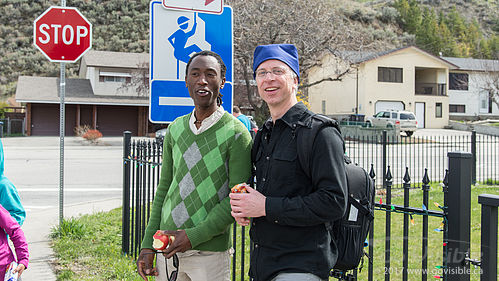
{"x": 62, "y": 34}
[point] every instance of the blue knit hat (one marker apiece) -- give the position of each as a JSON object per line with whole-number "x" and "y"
{"x": 286, "y": 53}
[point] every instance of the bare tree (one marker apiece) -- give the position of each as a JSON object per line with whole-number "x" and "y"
{"x": 139, "y": 80}
{"x": 489, "y": 82}
{"x": 315, "y": 27}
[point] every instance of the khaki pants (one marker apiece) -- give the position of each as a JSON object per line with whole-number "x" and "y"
{"x": 197, "y": 266}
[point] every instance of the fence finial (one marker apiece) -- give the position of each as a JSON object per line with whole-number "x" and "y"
{"x": 407, "y": 178}
{"x": 372, "y": 174}
{"x": 426, "y": 179}
{"x": 388, "y": 174}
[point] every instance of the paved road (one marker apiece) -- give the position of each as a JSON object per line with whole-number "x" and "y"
{"x": 92, "y": 182}
{"x": 90, "y": 172}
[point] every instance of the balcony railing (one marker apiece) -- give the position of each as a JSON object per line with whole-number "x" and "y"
{"x": 431, "y": 89}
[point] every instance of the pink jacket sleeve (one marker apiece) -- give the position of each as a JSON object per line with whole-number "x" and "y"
{"x": 16, "y": 235}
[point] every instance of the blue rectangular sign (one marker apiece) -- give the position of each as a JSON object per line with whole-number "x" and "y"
{"x": 175, "y": 37}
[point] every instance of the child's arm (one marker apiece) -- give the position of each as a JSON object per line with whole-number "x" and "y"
{"x": 10, "y": 200}
{"x": 16, "y": 235}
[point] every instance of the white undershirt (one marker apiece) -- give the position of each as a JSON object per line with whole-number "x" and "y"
{"x": 207, "y": 122}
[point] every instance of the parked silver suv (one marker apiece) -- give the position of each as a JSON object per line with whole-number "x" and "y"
{"x": 404, "y": 120}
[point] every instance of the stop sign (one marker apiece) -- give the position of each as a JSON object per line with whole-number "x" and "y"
{"x": 62, "y": 34}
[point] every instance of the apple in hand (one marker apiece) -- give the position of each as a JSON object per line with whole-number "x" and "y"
{"x": 239, "y": 188}
{"x": 161, "y": 241}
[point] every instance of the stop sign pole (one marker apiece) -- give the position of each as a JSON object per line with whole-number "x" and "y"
{"x": 63, "y": 35}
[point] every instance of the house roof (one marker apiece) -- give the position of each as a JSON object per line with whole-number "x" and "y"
{"x": 115, "y": 59}
{"x": 358, "y": 57}
{"x": 474, "y": 64}
{"x": 35, "y": 89}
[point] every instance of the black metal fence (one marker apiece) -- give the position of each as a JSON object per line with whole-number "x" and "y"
{"x": 141, "y": 169}
{"x": 142, "y": 162}
{"x": 10, "y": 126}
{"x": 425, "y": 151}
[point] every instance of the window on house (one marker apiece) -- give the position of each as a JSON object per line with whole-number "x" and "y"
{"x": 438, "y": 110}
{"x": 323, "y": 107}
{"x": 457, "y": 108}
{"x": 390, "y": 74}
{"x": 484, "y": 104}
{"x": 458, "y": 81}
{"x": 115, "y": 77}
{"x": 490, "y": 104}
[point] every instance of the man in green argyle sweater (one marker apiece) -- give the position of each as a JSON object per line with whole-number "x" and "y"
{"x": 205, "y": 153}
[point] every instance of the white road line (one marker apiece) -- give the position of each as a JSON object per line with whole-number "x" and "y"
{"x": 37, "y": 207}
{"x": 30, "y": 209}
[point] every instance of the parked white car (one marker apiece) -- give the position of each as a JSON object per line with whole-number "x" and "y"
{"x": 404, "y": 120}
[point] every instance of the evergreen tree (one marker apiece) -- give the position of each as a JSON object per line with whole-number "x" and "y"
{"x": 427, "y": 35}
{"x": 493, "y": 43}
{"x": 456, "y": 24}
{"x": 448, "y": 44}
{"x": 484, "y": 49}
{"x": 410, "y": 15}
{"x": 473, "y": 37}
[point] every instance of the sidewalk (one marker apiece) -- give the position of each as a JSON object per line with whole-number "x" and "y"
{"x": 37, "y": 229}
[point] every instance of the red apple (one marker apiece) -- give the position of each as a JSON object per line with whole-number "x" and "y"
{"x": 239, "y": 188}
{"x": 161, "y": 241}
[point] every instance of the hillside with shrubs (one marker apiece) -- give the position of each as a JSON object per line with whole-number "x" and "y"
{"x": 460, "y": 28}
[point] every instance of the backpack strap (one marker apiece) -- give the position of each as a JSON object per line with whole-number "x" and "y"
{"x": 256, "y": 145}
{"x": 362, "y": 209}
{"x": 254, "y": 150}
{"x": 306, "y": 137}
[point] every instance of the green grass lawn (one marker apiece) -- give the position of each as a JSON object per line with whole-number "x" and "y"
{"x": 435, "y": 248}
{"x": 89, "y": 248}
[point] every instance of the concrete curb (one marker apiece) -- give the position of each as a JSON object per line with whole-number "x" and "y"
{"x": 481, "y": 129}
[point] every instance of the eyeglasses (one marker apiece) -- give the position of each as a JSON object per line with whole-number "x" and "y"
{"x": 173, "y": 275}
{"x": 276, "y": 71}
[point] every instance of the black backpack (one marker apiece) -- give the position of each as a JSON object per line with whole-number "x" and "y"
{"x": 351, "y": 231}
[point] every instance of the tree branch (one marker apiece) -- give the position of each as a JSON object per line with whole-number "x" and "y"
{"x": 339, "y": 77}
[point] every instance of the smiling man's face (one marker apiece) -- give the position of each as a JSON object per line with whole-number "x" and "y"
{"x": 276, "y": 90}
{"x": 204, "y": 81}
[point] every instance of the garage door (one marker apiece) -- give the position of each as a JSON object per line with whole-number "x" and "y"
{"x": 114, "y": 120}
{"x": 385, "y": 105}
{"x": 45, "y": 119}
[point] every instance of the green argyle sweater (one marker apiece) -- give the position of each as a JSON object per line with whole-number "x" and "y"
{"x": 196, "y": 176}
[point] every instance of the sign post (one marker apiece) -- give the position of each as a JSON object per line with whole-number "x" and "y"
{"x": 63, "y": 35}
{"x": 176, "y": 34}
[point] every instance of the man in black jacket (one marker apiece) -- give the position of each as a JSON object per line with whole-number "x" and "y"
{"x": 290, "y": 211}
